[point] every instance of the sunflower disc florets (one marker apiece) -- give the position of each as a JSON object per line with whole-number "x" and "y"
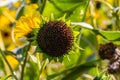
{"x": 55, "y": 38}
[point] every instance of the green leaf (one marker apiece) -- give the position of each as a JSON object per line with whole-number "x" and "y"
{"x": 79, "y": 70}
{"x": 74, "y": 10}
{"x": 75, "y": 71}
{"x": 88, "y": 42}
{"x": 109, "y": 35}
{"x": 82, "y": 24}
{"x": 70, "y": 59}
{"x": 20, "y": 11}
{"x": 101, "y": 74}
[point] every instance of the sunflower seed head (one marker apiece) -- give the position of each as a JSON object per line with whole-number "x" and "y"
{"x": 55, "y": 38}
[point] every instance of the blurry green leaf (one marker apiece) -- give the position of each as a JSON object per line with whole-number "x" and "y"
{"x": 6, "y": 77}
{"x": 20, "y": 11}
{"x": 88, "y": 42}
{"x": 79, "y": 70}
{"x": 34, "y": 42}
{"x": 31, "y": 72}
{"x": 70, "y": 59}
{"x": 103, "y": 76}
{"x": 74, "y": 72}
{"x": 1, "y": 12}
{"x": 109, "y": 35}
{"x": 74, "y": 10}
{"x": 38, "y": 49}
{"x": 97, "y": 78}
{"x": 35, "y": 30}
{"x": 34, "y": 1}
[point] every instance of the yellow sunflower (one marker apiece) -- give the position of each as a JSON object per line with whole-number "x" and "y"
{"x": 25, "y": 24}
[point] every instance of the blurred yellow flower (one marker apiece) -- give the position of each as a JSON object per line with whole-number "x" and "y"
{"x": 17, "y": 4}
{"x": 12, "y": 61}
{"x": 25, "y": 24}
{"x": 6, "y": 17}
{"x": 6, "y": 35}
{"x": 110, "y": 1}
{"x": 27, "y": 1}
{"x": 30, "y": 9}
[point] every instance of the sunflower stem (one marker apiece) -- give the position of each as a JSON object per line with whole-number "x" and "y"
{"x": 25, "y": 61}
{"x": 11, "y": 70}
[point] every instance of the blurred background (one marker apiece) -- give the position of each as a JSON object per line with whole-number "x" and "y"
{"x": 100, "y": 14}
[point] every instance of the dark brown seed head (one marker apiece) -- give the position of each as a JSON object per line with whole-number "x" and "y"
{"x": 55, "y": 38}
{"x": 107, "y": 51}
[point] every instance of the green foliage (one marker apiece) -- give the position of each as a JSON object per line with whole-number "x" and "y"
{"x": 74, "y": 10}
{"x": 83, "y": 57}
{"x": 20, "y": 10}
{"x": 6, "y": 77}
{"x": 74, "y": 72}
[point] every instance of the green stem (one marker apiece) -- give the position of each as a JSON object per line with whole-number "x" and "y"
{"x": 85, "y": 10}
{"x": 11, "y": 70}
{"x": 25, "y": 61}
{"x": 117, "y": 5}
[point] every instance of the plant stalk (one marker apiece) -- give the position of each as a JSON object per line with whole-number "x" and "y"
{"x": 25, "y": 61}
{"x": 11, "y": 70}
